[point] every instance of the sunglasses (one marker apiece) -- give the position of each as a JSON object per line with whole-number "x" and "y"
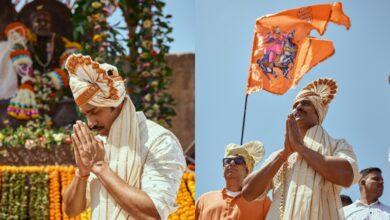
{"x": 237, "y": 160}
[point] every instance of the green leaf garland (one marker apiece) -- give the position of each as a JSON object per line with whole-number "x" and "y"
{"x": 39, "y": 201}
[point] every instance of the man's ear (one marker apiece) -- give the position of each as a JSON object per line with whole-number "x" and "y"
{"x": 247, "y": 171}
{"x": 318, "y": 117}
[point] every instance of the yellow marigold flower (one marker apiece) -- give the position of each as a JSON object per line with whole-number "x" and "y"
{"x": 71, "y": 44}
{"x": 97, "y": 38}
{"x": 31, "y": 36}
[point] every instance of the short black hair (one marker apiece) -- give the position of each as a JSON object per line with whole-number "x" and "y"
{"x": 369, "y": 170}
{"x": 345, "y": 199}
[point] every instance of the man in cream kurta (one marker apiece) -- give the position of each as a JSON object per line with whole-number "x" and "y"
{"x": 133, "y": 169}
{"x": 306, "y": 176}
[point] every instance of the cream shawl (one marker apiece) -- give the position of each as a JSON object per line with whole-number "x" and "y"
{"x": 123, "y": 154}
{"x": 304, "y": 194}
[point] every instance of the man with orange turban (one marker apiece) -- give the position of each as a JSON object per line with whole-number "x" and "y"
{"x": 307, "y": 175}
{"x": 228, "y": 203}
{"x": 133, "y": 168}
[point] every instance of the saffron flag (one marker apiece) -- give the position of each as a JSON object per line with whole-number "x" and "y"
{"x": 283, "y": 51}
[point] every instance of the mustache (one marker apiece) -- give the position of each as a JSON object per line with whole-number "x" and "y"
{"x": 299, "y": 110}
{"x": 96, "y": 128}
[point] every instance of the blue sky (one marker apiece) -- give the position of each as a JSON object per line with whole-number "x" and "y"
{"x": 359, "y": 113}
{"x": 183, "y": 23}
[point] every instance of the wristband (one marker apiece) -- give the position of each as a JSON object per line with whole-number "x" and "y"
{"x": 77, "y": 173}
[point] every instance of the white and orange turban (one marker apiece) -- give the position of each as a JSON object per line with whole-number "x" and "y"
{"x": 93, "y": 83}
{"x": 252, "y": 152}
{"x": 320, "y": 93}
{"x": 100, "y": 85}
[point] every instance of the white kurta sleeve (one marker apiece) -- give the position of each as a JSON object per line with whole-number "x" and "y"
{"x": 344, "y": 150}
{"x": 163, "y": 170}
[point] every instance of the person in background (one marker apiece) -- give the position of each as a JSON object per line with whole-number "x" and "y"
{"x": 371, "y": 187}
{"x": 228, "y": 203}
{"x": 345, "y": 200}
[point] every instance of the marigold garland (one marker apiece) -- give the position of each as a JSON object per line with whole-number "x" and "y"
{"x": 45, "y": 196}
{"x": 66, "y": 174}
{"x": 185, "y": 199}
{"x": 86, "y": 215}
{"x": 49, "y": 180}
{"x": 54, "y": 195}
{"x": 191, "y": 183}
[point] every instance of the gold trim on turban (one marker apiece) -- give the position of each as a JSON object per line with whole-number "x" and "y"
{"x": 87, "y": 95}
{"x": 94, "y": 83}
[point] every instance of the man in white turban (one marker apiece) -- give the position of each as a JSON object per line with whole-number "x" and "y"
{"x": 133, "y": 168}
{"x": 228, "y": 203}
{"x": 307, "y": 175}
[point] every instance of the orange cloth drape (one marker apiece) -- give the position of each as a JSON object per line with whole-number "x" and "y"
{"x": 282, "y": 49}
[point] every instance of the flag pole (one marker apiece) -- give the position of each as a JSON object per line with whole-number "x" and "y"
{"x": 243, "y": 120}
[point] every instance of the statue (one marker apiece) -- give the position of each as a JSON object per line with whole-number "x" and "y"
{"x": 41, "y": 42}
